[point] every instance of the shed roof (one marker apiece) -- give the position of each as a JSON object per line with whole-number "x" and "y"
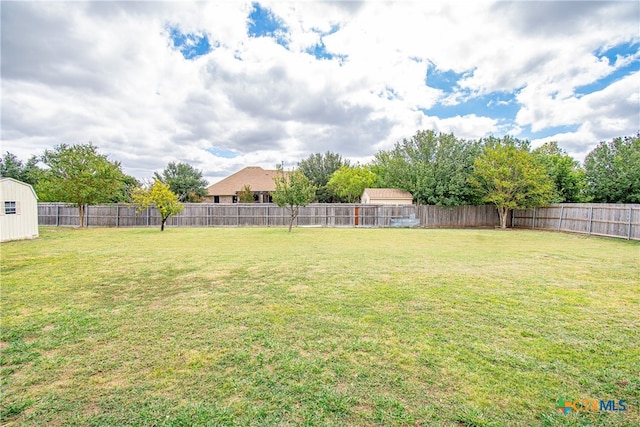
{"x": 7, "y": 180}
{"x": 254, "y": 176}
{"x": 387, "y": 193}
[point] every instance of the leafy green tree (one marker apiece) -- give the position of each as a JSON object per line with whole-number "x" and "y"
{"x": 349, "y": 182}
{"x": 613, "y": 171}
{"x": 12, "y": 167}
{"x": 566, "y": 174}
{"x": 80, "y": 175}
{"x": 246, "y": 195}
{"x": 184, "y": 180}
{"x": 161, "y": 196}
{"x": 509, "y": 176}
{"x": 319, "y": 168}
{"x": 434, "y": 168}
{"x": 293, "y": 190}
{"x": 125, "y": 196}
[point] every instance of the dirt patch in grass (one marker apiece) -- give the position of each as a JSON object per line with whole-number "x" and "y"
{"x": 48, "y": 328}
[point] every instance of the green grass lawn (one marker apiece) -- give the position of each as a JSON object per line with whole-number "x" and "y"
{"x": 251, "y": 326}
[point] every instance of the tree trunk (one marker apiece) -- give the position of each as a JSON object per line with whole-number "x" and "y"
{"x": 503, "y": 213}
{"x": 294, "y": 213}
{"x": 162, "y": 224}
{"x": 291, "y": 219}
{"x": 81, "y": 212}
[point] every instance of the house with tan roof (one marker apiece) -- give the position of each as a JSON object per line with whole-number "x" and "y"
{"x": 259, "y": 180}
{"x": 386, "y": 196}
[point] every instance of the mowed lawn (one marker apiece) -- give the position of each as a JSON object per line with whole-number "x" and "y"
{"x": 256, "y": 326}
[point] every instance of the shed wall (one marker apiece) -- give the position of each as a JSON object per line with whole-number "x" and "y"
{"x": 24, "y": 223}
{"x": 390, "y": 201}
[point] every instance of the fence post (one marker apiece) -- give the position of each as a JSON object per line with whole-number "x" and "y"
{"x": 533, "y": 221}
{"x": 86, "y": 215}
{"x": 57, "y": 215}
{"x": 148, "y": 216}
{"x": 630, "y": 215}
{"x": 118, "y": 215}
{"x": 326, "y": 216}
{"x": 590, "y": 218}
{"x": 560, "y": 219}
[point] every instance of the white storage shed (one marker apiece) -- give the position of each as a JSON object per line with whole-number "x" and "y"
{"x": 18, "y": 210}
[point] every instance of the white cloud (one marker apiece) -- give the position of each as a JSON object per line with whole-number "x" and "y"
{"x": 107, "y": 72}
{"x": 617, "y": 102}
{"x": 614, "y": 110}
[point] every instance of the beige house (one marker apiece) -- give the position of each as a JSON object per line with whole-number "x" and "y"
{"x": 18, "y": 210}
{"x": 259, "y": 180}
{"x": 386, "y": 196}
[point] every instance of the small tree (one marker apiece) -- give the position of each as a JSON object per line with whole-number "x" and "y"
{"x": 246, "y": 195}
{"x": 162, "y": 197}
{"x": 510, "y": 177}
{"x": 80, "y": 175}
{"x": 293, "y": 189}
{"x": 349, "y": 182}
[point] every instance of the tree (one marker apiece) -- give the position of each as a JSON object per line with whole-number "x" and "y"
{"x": 129, "y": 184}
{"x": 161, "y": 196}
{"x": 509, "y": 176}
{"x": 349, "y": 182}
{"x": 78, "y": 174}
{"x": 293, "y": 189}
{"x": 12, "y": 167}
{"x": 246, "y": 195}
{"x": 565, "y": 173}
{"x": 613, "y": 171}
{"x": 319, "y": 168}
{"x": 435, "y": 168}
{"x": 184, "y": 180}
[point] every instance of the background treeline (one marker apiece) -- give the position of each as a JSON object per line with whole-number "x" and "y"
{"x": 437, "y": 168}
{"x": 441, "y": 169}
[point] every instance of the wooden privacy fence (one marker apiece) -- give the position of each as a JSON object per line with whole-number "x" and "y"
{"x": 612, "y": 220}
{"x": 270, "y": 215}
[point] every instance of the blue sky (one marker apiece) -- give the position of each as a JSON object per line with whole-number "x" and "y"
{"x": 190, "y": 45}
{"x": 223, "y": 85}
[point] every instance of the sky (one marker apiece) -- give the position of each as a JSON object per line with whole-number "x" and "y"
{"x": 226, "y": 84}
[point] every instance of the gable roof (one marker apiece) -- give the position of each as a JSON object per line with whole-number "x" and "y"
{"x": 10, "y": 180}
{"x": 254, "y": 176}
{"x": 387, "y": 193}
